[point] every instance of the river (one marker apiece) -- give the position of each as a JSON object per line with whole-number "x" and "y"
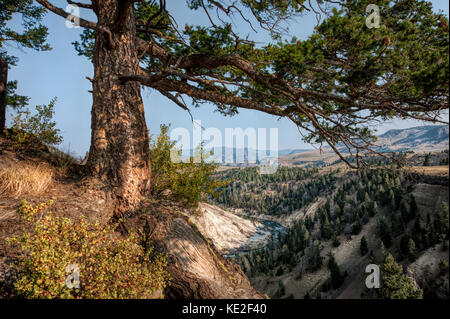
{"x": 259, "y": 238}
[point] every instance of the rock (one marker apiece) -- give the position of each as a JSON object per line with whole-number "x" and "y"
{"x": 196, "y": 268}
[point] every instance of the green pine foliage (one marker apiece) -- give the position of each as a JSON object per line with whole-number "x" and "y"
{"x": 395, "y": 284}
{"x": 426, "y": 161}
{"x": 343, "y": 61}
{"x": 364, "y": 247}
{"x": 336, "y": 277}
{"x": 412, "y": 252}
{"x": 385, "y": 232}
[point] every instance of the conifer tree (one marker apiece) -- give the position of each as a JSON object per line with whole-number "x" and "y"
{"x": 336, "y": 277}
{"x": 332, "y": 86}
{"x": 426, "y": 161}
{"x": 413, "y": 206}
{"x": 364, "y": 248}
{"x": 411, "y": 250}
{"x": 395, "y": 284}
{"x": 385, "y": 232}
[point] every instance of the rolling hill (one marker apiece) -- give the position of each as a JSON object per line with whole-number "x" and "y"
{"x": 420, "y": 139}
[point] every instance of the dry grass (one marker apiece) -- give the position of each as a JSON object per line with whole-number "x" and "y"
{"x": 25, "y": 179}
{"x": 63, "y": 161}
{"x": 429, "y": 170}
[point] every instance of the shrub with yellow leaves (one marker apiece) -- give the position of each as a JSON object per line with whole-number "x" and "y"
{"x": 109, "y": 266}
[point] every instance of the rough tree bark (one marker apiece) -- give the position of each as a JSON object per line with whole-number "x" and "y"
{"x": 3, "y": 93}
{"x": 119, "y": 152}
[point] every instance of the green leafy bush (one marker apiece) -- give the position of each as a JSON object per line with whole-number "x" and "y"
{"x": 108, "y": 266}
{"x": 190, "y": 181}
{"x": 31, "y": 130}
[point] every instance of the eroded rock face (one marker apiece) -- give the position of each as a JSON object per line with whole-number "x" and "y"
{"x": 425, "y": 272}
{"x": 196, "y": 268}
{"x": 230, "y": 232}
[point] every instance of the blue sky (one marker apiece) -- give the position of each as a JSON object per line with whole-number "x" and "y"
{"x": 61, "y": 73}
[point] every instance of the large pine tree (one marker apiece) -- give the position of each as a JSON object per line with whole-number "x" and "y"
{"x": 334, "y": 86}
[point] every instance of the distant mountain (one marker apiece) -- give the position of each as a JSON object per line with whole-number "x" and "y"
{"x": 292, "y": 151}
{"x": 420, "y": 138}
{"x": 244, "y": 155}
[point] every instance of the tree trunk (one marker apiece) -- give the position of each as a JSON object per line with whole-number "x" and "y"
{"x": 119, "y": 154}
{"x": 3, "y": 93}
